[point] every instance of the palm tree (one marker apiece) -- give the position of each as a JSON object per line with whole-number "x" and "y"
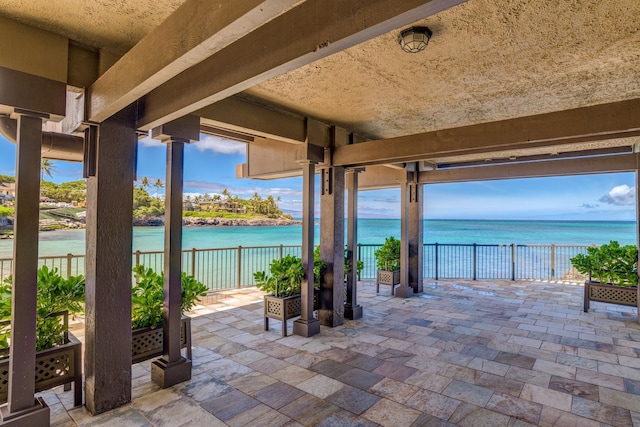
{"x": 144, "y": 182}
{"x": 158, "y": 185}
{"x": 47, "y": 167}
{"x": 226, "y": 194}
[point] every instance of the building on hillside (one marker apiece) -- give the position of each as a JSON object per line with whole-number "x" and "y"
{"x": 223, "y": 206}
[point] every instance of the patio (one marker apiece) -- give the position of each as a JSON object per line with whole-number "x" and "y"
{"x": 468, "y": 353}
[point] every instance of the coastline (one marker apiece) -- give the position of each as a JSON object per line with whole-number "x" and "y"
{"x": 220, "y": 222}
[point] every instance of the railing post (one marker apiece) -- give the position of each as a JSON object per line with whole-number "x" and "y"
{"x": 513, "y": 261}
{"x": 69, "y": 259}
{"x": 436, "y": 258}
{"x": 137, "y": 258}
{"x": 193, "y": 261}
{"x": 475, "y": 261}
{"x": 281, "y": 250}
{"x": 239, "y": 282}
{"x": 553, "y": 261}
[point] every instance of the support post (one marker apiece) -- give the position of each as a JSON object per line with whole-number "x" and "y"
{"x": 22, "y": 408}
{"x": 306, "y": 325}
{"x": 352, "y": 310}
{"x": 331, "y": 298}
{"x": 416, "y": 236}
{"x": 637, "y": 224}
{"x": 172, "y": 368}
{"x": 405, "y": 290}
{"x": 107, "y": 363}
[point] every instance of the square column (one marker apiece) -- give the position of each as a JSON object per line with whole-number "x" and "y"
{"x": 22, "y": 408}
{"x": 352, "y": 310}
{"x": 307, "y": 325}
{"x": 172, "y": 368}
{"x": 415, "y": 236}
{"x": 405, "y": 290}
{"x": 107, "y": 364}
{"x": 331, "y": 311}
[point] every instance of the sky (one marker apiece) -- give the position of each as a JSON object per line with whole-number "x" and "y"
{"x": 210, "y": 168}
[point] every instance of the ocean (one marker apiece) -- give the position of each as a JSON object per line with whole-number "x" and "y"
{"x": 370, "y": 231}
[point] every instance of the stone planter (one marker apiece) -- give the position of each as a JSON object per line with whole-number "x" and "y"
{"x": 594, "y": 291}
{"x": 146, "y": 343}
{"x": 55, "y": 366}
{"x": 387, "y": 277}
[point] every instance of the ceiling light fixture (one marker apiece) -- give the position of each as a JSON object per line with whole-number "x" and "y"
{"x": 414, "y": 39}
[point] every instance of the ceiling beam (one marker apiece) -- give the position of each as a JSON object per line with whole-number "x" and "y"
{"x": 194, "y": 32}
{"x": 247, "y": 117}
{"x": 595, "y": 123}
{"x": 565, "y": 167}
{"x": 308, "y": 32}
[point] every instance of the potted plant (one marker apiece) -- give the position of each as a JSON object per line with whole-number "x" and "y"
{"x": 347, "y": 265}
{"x": 388, "y": 264}
{"x": 58, "y": 352}
{"x": 146, "y": 312}
{"x": 612, "y": 274}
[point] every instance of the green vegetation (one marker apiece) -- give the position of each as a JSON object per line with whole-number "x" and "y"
{"x": 144, "y": 205}
{"x": 6, "y": 211}
{"x": 67, "y": 192}
{"x": 55, "y": 294}
{"x": 613, "y": 264}
{"x": 388, "y": 256}
{"x": 7, "y": 179}
{"x": 216, "y": 214}
{"x": 148, "y": 294}
{"x": 285, "y": 278}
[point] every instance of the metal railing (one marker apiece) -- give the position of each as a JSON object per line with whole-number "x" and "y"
{"x": 227, "y": 268}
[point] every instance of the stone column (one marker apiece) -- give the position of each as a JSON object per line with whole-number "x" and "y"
{"x": 331, "y": 310}
{"x": 416, "y": 235}
{"x": 352, "y": 310}
{"x": 107, "y": 364}
{"x": 638, "y": 222}
{"x": 22, "y": 408}
{"x": 306, "y": 325}
{"x": 172, "y": 368}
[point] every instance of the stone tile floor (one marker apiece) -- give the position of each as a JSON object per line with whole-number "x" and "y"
{"x": 469, "y": 353}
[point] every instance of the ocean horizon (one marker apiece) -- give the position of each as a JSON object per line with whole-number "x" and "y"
{"x": 370, "y": 231}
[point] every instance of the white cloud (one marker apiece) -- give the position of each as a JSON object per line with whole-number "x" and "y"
{"x": 221, "y": 146}
{"x": 621, "y": 195}
{"x": 147, "y": 141}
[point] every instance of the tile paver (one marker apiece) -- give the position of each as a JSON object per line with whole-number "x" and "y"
{"x": 468, "y": 353}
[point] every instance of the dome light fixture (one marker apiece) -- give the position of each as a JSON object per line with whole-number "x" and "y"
{"x": 414, "y": 39}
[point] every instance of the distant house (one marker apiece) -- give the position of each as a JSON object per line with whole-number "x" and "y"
{"x": 222, "y": 206}
{"x": 8, "y": 189}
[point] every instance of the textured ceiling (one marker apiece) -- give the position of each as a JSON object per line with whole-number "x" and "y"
{"x": 115, "y": 25}
{"x": 488, "y": 60}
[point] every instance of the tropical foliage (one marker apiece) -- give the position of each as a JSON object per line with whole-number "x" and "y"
{"x": 144, "y": 205}
{"x": 147, "y": 296}
{"x": 55, "y": 294}
{"x": 6, "y": 211}
{"x": 66, "y": 192}
{"x": 286, "y": 275}
{"x": 388, "y": 256}
{"x": 610, "y": 263}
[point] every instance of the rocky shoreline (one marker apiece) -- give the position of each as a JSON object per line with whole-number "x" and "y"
{"x": 220, "y": 222}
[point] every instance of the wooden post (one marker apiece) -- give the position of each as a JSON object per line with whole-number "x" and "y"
{"x": 306, "y": 325}
{"x": 107, "y": 362}
{"x": 22, "y": 408}
{"x": 404, "y": 290}
{"x": 416, "y": 236}
{"x": 352, "y": 310}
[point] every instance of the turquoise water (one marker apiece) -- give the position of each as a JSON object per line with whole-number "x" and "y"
{"x": 369, "y": 231}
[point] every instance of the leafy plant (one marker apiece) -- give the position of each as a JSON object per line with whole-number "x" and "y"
{"x": 285, "y": 278}
{"x": 388, "y": 255}
{"x": 610, "y": 263}
{"x": 347, "y": 264}
{"x": 147, "y": 296}
{"x": 55, "y": 294}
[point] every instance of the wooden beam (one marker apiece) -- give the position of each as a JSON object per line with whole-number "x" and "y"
{"x": 195, "y": 31}
{"x": 565, "y": 167}
{"x": 246, "y": 117}
{"x": 380, "y": 177}
{"x": 595, "y": 123}
{"x": 310, "y": 31}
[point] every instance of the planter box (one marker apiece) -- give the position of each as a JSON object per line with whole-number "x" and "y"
{"x": 146, "y": 343}
{"x": 387, "y": 277}
{"x": 594, "y": 291}
{"x": 286, "y": 308}
{"x": 55, "y": 366}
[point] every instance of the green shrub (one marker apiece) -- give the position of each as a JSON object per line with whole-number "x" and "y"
{"x": 55, "y": 294}
{"x": 147, "y": 296}
{"x": 611, "y": 263}
{"x": 6, "y": 211}
{"x": 285, "y": 278}
{"x": 388, "y": 256}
